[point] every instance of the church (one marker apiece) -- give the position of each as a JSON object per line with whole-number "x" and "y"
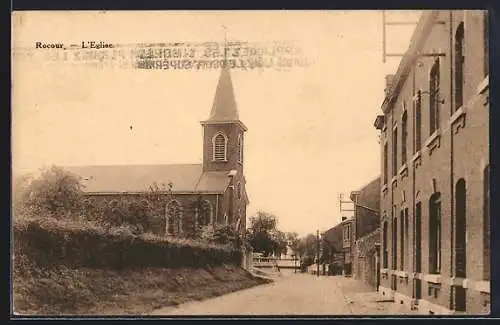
{"x": 217, "y": 185}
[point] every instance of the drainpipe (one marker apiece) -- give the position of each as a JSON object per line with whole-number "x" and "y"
{"x": 413, "y": 185}
{"x": 216, "y": 208}
{"x": 452, "y": 198}
{"x": 394, "y": 237}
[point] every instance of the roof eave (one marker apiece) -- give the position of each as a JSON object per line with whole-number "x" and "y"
{"x": 145, "y": 192}
{"x": 422, "y": 30}
{"x": 241, "y": 124}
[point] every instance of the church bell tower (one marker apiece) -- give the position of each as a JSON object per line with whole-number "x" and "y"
{"x": 223, "y": 132}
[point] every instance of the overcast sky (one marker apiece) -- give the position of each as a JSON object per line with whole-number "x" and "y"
{"x": 310, "y": 130}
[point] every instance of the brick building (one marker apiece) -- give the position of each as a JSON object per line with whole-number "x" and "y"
{"x": 435, "y": 168}
{"x": 366, "y": 233}
{"x": 337, "y": 243}
{"x": 201, "y": 194}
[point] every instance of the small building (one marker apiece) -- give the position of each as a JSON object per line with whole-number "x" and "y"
{"x": 337, "y": 243}
{"x": 367, "y": 233}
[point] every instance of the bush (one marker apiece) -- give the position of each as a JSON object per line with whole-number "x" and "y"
{"x": 55, "y": 191}
{"x": 84, "y": 244}
{"x": 220, "y": 234}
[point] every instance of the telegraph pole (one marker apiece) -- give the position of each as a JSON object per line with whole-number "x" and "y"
{"x": 317, "y": 250}
{"x": 386, "y": 24}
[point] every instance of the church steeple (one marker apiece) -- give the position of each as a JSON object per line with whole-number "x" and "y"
{"x": 223, "y": 131}
{"x": 224, "y": 106}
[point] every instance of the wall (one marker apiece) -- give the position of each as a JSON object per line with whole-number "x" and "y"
{"x": 187, "y": 202}
{"x": 364, "y": 252}
{"x": 231, "y": 130}
{"x": 366, "y": 220}
{"x": 459, "y": 149}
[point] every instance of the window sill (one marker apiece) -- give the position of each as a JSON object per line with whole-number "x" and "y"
{"x": 433, "y": 278}
{"x": 483, "y": 286}
{"x": 484, "y": 85}
{"x": 417, "y": 159}
{"x": 457, "y": 120}
{"x": 458, "y": 282}
{"x": 417, "y": 275}
{"x": 403, "y": 171}
{"x": 433, "y": 141}
{"x": 384, "y": 189}
{"x": 384, "y": 271}
{"x": 394, "y": 181}
{"x": 401, "y": 274}
{"x": 219, "y": 161}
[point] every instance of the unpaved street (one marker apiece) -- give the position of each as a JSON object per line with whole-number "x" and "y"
{"x": 294, "y": 294}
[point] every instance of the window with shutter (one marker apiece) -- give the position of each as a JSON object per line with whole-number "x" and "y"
{"x": 219, "y": 143}
{"x": 240, "y": 148}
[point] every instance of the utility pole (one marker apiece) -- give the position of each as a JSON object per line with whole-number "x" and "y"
{"x": 317, "y": 250}
{"x": 386, "y": 24}
{"x": 342, "y": 201}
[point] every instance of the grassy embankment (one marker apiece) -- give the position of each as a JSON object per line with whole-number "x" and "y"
{"x": 77, "y": 268}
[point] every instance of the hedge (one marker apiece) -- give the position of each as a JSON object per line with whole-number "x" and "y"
{"x": 82, "y": 244}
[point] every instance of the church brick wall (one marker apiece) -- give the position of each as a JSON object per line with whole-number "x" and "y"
{"x": 231, "y": 131}
{"x": 187, "y": 202}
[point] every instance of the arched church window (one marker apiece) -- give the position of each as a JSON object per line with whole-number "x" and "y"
{"x": 174, "y": 217}
{"x": 205, "y": 216}
{"x": 219, "y": 147}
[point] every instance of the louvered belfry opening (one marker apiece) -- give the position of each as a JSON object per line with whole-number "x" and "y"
{"x": 219, "y": 147}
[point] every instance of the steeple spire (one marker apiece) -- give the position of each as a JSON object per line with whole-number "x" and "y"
{"x": 224, "y": 108}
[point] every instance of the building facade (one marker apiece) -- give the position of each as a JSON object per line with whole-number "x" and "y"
{"x": 209, "y": 193}
{"x": 337, "y": 245}
{"x": 367, "y": 233}
{"x": 435, "y": 249}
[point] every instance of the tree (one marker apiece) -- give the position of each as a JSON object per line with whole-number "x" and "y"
{"x": 54, "y": 191}
{"x": 308, "y": 249}
{"x": 262, "y": 227}
{"x": 329, "y": 250}
{"x": 280, "y": 243}
{"x": 293, "y": 239}
{"x": 20, "y": 193}
{"x": 263, "y": 221}
{"x": 220, "y": 234}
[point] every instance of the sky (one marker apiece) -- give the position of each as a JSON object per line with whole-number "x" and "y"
{"x": 310, "y": 129}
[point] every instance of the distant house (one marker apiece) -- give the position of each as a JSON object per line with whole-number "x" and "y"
{"x": 212, "y": 192}
{"x": 337, "y": 244}
{"x": 367, "y": 233}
